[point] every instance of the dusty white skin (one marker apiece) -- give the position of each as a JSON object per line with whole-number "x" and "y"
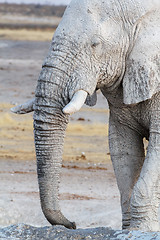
{"x": 113, "y": 45}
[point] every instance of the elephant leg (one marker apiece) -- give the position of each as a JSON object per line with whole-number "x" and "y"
{"x": 127, "y": 155}
{"x": 146, "y": 193}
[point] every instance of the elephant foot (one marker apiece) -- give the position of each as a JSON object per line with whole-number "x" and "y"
{"x": 147, "y": 226}
{"x": 126, "y": 226}
{"x": 55, "y": 217}
{"x": 126, "y": 220}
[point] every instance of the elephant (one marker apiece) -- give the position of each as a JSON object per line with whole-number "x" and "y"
{"x": 114, "y": 46}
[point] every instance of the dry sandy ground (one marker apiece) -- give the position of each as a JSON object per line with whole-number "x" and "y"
{"x": 88, "y": 191}
{"x": 88, "y": 197}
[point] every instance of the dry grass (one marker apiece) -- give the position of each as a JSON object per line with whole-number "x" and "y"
{"x": 26, "y": 35}
{"x": 17, "y": 142}
{"x": 89, "y": 130}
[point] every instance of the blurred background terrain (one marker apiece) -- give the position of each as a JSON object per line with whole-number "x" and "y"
{"x": 88, "y": 190}
{"x": 29, "y": 21}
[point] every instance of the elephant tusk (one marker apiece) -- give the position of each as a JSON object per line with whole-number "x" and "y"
{"x": 24, "y": 108}
{"x": 76, "y": 102}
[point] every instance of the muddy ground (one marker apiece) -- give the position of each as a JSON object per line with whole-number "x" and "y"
{"x": 88, "y": 190}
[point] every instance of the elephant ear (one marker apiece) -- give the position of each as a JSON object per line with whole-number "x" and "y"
{"x": 142, "y": 76}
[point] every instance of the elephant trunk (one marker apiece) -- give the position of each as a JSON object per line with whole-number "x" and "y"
{"x": 49, "y": 138}
{"x": 59, "y": 93}
{"x": 49, "y": 130}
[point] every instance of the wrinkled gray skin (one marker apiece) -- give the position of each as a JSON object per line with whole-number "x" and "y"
{"x": 114, "y": 46}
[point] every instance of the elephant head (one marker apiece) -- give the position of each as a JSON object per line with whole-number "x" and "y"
{"x": 97, "y": 45}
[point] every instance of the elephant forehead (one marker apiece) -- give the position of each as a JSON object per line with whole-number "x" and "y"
{"x": 85, "y": 5}
{"x": 82, "y": 16}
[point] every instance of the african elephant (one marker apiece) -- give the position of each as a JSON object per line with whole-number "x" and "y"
{"x": 113, "y": 46}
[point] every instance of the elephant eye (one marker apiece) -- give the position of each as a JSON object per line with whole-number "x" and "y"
{"x": 95, "y": 42}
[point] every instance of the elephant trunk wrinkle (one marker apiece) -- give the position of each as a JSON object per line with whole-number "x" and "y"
{"x": 49, "y": 141}
{"x": 57, "y": 88}
{"x": 56, "y": 68}
{"x": 68, "y": 54}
